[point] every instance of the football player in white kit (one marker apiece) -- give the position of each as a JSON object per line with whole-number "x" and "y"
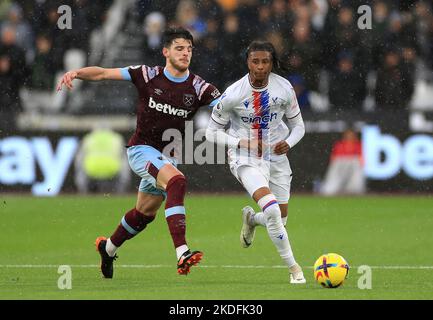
{"x": 258, "y": 142}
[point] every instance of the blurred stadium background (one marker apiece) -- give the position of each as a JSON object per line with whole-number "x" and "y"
{"x": 378, "y": 81}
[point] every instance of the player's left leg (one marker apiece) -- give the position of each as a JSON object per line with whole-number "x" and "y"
{"x": 160, "y": 173}
{"x": 280, "y": 183}
{"x": 174, "y": 183}
{"x": 271, "y": 212}
{"x": 277, "y": 232}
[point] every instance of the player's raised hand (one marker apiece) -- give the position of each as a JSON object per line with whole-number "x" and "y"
{"x": 66, "y": 80}
{"x": 281, "y": 148}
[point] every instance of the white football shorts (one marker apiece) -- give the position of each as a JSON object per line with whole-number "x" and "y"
{"x": 255, "y": 174}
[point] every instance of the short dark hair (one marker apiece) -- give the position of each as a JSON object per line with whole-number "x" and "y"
{"x": 259, "y": 45}
{"x": 175, "y": 33}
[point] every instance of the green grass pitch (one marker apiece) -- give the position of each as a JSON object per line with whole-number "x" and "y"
{"x": 392, "y": 235}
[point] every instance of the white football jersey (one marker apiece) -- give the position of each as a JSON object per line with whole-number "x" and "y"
{"x": 257, "y": 113}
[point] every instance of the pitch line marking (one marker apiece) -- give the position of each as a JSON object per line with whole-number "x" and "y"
{"x": 156, "y": 266}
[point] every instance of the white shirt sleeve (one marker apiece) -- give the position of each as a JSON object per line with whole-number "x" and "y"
{"x": 215, "y": 133}
{"x": 292, "y": 108}
{"x": 220, "y": 117}
{"x": 297, "y": 130}
{"x": 294, "y": 120}
{"x": 221, "y": 111}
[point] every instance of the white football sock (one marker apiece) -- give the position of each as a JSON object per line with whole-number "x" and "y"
{"x": 276, "y": 230}
{"x": 110, "y": 248}
{"x": 258, "y": 219}
{"x": 181, "y": 250}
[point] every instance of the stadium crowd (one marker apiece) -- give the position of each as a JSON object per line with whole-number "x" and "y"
{"x": 319, "y": 40}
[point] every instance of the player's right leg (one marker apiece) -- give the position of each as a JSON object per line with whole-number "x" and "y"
{"x": 251, "y": 183}
{"x": 132, "y": 223}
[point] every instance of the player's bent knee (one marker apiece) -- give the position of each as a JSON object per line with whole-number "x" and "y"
{"x": 271, "y": 210}
{"x": 145, "y": 219}
{"x": 177, "y": 184}
{"x": 260, "y": 193}
{"x": 166, "y": 174}
{"x": 135, "y": 221}
{"x": 150, "y": 215}
{"x": 148, "y": 203}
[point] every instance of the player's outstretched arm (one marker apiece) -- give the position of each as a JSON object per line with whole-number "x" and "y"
{"x": 215, "y": 133}
{"x": 297, "y": 132}
{"x": 89, "y": 74}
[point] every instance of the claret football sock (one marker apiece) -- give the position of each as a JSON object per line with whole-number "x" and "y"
{"x": 175, "y": 211}
{"x": 175, "y": 215}
{"x": 132, "y": 223}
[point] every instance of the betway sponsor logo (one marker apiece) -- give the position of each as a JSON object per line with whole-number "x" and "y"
{"x": 168, "y": 109}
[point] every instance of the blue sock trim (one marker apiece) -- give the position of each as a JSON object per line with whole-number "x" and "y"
{"x": 128, "y": 227}
{"x": 270, "y": 203}
{"x": 174, "y": 210}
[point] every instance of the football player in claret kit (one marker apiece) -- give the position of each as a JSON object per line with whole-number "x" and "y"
{"x": 167, "y": 98}
{"x": 258, "y": 142}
